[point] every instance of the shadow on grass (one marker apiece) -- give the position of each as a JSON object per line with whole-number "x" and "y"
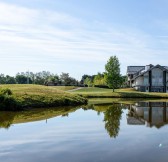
{"x": 127, "y": 95}
{"x": 141, "y": 95}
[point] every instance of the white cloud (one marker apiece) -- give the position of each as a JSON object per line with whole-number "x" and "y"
{"x": 26, "y": 33}
{"x": 14, "y": 15}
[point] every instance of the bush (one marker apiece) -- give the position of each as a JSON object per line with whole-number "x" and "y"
{"x": 7, "y": 101}
{"x": 6, "y": 91}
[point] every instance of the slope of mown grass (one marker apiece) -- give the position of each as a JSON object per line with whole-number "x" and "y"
{"x": 36, "y": 89}
{"x": 93, "y": 92}
{"x": 29, "y": 96}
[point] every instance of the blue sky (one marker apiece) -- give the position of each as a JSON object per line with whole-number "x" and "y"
{"x": 79, "y": 36}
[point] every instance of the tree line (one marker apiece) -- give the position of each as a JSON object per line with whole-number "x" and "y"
{"x": 111, "y": 78}
{"x": 42, "y": 78}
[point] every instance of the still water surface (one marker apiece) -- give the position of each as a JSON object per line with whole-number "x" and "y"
{"x": 112, "y": 132}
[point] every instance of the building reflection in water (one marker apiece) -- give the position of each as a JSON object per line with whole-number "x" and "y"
{"x": 148, "y": 113}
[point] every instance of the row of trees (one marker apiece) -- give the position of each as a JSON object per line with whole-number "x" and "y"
{"x": 110, "y": 78}
{"x": 94, "y": 80}
{"x": 100, "y": 80}
{"x": 43, "y": 77}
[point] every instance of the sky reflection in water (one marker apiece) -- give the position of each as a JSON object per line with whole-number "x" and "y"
{"x": 111, "y": 132}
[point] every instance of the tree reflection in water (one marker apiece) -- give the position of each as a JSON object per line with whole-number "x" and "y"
{"x": 9, "y": 118}
{"x": 112, "y": 118}
{"x": 6, "y": 119}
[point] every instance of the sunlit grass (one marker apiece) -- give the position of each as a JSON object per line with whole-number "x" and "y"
{"x": 43, "y": 96}
{"x": 120, "y": 93}
{"x": 36, "y": 89}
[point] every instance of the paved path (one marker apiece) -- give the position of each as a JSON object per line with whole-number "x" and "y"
{"x": 72, "y": 90}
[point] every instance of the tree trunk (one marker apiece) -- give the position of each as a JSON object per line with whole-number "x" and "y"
{"x": 113, "y": 89}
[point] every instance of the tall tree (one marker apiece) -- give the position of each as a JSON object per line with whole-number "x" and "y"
{"x": 67, "y": 80}
{"x": 85, "y": 76}
{"x": 2, "y": 79}
{"x": 88, "y": 82}
{"x": 21, "y": 79}
{"x": 10, "y": 80}
{"x": 41, "y": 77}
{"x": 113, "y": 77}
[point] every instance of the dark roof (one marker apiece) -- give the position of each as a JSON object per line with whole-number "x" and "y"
{"x": 164, "y": 68}
{"x": 134, "y": 69}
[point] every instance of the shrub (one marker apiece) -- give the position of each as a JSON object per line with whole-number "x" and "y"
{"x": 6, "y": 91}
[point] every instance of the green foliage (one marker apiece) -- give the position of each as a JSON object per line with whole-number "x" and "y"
{"x": 112, "y": 74}
{"x": 124, "y": 81}
{"x": 2, "y": 79}
{"x": 112, "y": 118}
{"x": 99, "y": 80}
{"x": 7, "y": 79}
{"x": 67, "y": 80}
{"x": 5, "y": 91}
{"x": 91, "y": 77}
{"x": 31, "y": 96}
{"x": 54, "y": 79}
{"x": 7, "y": 101}
{"x": 88, "y": 82}
{"x": 10, "y": 80}
{"x": 21, "y": 79}
{"x": 41, "y": 78}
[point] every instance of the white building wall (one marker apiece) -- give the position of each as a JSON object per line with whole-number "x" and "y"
{"x": 139, "y": 81}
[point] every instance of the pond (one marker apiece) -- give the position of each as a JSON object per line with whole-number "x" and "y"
{"x": 119, "y": 131}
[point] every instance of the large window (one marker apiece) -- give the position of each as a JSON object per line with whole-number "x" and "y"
{"x": 146, "y": 80}
{"x": 157, "y": 77}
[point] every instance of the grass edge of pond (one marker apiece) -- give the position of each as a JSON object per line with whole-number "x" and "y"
{"x": 13, "y": 102}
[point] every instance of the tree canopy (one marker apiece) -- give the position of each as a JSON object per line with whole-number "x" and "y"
{"x": 112, "y": 74}
{"x": 42, "y": 77}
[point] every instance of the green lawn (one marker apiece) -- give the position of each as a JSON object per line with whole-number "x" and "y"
{"x": 29, "y": 96}
{"x": 36, "y": 89}
{"x": 92, "y": 92}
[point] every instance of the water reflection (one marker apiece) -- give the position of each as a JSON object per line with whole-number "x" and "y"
{"x": 81, "y": 133}
{"x": 6, "y": 119}
{"x": 138, "y": 113}
{"x": 9, "y": 118}
{"x": 148, "y": 113}
{"x": 112, "y": 118}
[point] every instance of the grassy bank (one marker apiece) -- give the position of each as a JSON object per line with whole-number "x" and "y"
{"x": 93, "y": 92}
{"x": 35, "y": 96}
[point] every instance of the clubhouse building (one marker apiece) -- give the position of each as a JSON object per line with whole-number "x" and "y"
{"x": 148, "y": 78}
